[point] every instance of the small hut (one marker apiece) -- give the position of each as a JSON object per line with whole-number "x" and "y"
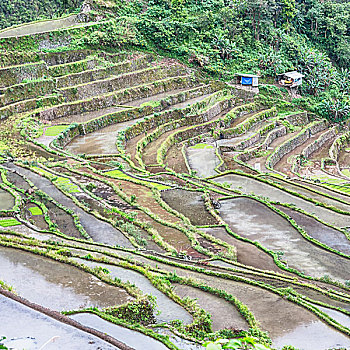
{"x": 247, "y": 79}
{"x": 290, "y": 79}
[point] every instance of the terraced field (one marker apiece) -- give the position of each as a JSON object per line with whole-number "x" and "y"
{"x": 145, "y": 206}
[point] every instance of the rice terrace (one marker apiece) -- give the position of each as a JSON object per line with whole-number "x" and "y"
{"x": 174, "y": 175}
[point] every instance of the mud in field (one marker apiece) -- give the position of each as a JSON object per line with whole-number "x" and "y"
{"x": 189, "y": 204}
{"x": 7, "y": 201}
{"x": 29, "y": 329}
{"x": 55, "y": 285}
{"x": 134, "y": 339}
{"x": 248, "y": 218}
{"x": 98, "y": 230}
{"x": 175, "y": 160}
{"x": 169, "y": 310}
{"x": 247, "y": 253}
{"x": 327, "y": 235}
{"x": 216, "y": 306}
{"x": 250, "y": 185}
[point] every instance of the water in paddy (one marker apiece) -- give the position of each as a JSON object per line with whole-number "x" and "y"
{"x": 134, "y": 339}
{"x": 190, "y": 204}
{"x": 6, "y": 200}
{"x": 336, "y": 315}
{"x": 98, "y": 230}
{"x": 168, "y": 308}
{"x": 28, "y": 329}
{"x": 249, "y": 185}
{"x": 27, "y": 231}
{"x": 99, "y": 142}
{"x": 316, "y": 196}
{"x": 56, "y": 285}
{"x": 327, "y": 235}
{"x": 311, "y": 336}
{"x": 203, "y": 160}
{"x": 216, "y": 306}
{"x": 253, "y": 220}
{"x": 275, "y": 314}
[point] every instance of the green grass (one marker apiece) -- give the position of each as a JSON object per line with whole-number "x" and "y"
{"x": 201, "y": 146}
{"x": 120, "y": 175}
{"x": 43, "y": 172}
{"x": 66, "y": 185}
{"x": 342, "y": 188}
{"x": 35, "y": 211}
{"x": 55, "y": 130}
{"x": 9, "y": 222}
{"x": 346, "y": 172}
{"x": 3, "y": 146}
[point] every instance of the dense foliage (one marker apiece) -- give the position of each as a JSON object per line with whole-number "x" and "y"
{"x": 227, "y": 36}
{"x": 14, "y": 12}
{"x": 257, "y": 36}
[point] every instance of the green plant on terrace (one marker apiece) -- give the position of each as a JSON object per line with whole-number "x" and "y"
{"x": 246, "y": 343}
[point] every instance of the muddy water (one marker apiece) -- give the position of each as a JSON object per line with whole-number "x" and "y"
{"x": 168, "y": 308}
{"x": 249, "y": 185}
{"x": 203, "y": 160}
{"x": 99, "y": 142}
{"x": 247, "y": 253}
{"x": 28, "y": 329}
{"x": 30, "y": 233}
{"x": 6, "y": 200}
{"x": 275, "y": 314}
{"x": 99, "y": 231}
{"x": 134, "y": 339}
{"x": 336, "y": 315}
{"x": 189, "y": 204}
{"x": 311, "y": 336}
{"x": 217, "y": 307}
{"x": 56, "y": 285}
{"x": 315, "y": 196}
{"x": 255, "y": 221}
{"x": 327, "y": 235}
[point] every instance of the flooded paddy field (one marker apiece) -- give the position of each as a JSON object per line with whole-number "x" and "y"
{"x": 134, "y": 233}
{"x": 29, "y": 329}
{"x": 247, "y": 218}
{"x": 55, "y": 285}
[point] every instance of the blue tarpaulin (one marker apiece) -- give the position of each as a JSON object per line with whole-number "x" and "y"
{"x": 247, "y": 81}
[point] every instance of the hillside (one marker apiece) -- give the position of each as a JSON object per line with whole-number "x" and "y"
{"x": 150, "y": 201}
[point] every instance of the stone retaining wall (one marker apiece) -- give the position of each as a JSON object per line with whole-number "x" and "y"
{"x": 114, "y": 83}
{"x": 301, "y": 118}
{"x": 17, "y": 74}
{"x": 117, "y": 97}
{"x": 294, "y": 142}
{"x": 21, "y": 92}
{"x": 340, "y": 142}
{"x": 103, "y": 73}
{"x": 270, "y": 137}
{"x": 29, "y": 105}
{"x": 317, "y": 144}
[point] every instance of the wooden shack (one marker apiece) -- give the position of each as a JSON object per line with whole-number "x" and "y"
{"x": 290, "y": 79}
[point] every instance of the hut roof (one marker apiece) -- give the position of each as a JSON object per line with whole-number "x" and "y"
{"x": 247, "y": 75}
{"x": 293, "y": 75}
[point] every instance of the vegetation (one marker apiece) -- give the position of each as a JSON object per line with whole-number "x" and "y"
{"x": 13, "y": 12}
{"x": 134, "y": 202}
